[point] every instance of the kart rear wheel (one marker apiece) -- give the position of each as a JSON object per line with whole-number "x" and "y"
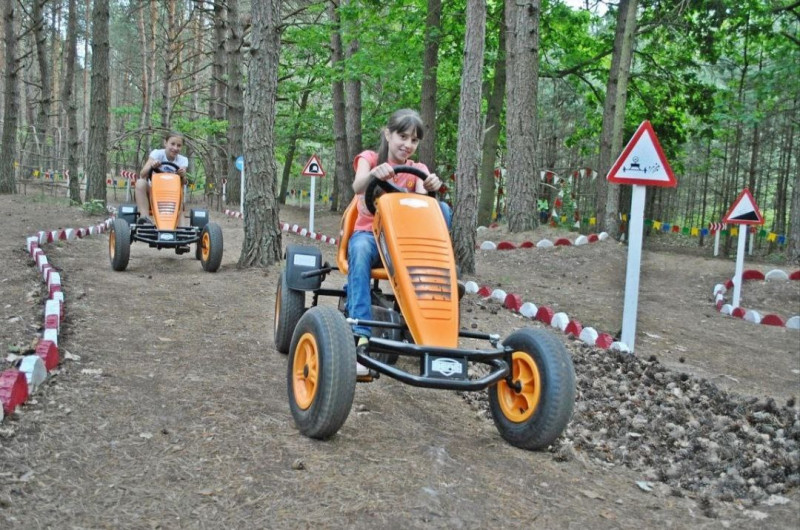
{"x": 534, "y": 411}
{"x": 289, "y": 307}
{"x": 211, "y": 247}
{"x": 321, "y": 374}
{"x": 119, "y": 244}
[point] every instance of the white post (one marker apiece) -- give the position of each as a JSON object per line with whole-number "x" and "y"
{"x": 224, "y": 193}
{"x": 241, "y": 193}
{"x": 716, "y": 242}
{"x": 737, "y": 277}
{"x": 635, "y": 229}
{"x": 311, "y": 206}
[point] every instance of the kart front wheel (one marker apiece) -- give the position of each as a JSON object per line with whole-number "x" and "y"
{"x": 321, "y": 374}
{"x": 289, "y": 307}
{"x": 210, "y": 247}
{"x": 533, "y": 410}
{"x": 119, "y": 244}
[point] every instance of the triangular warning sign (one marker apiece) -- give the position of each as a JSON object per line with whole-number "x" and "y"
{"x": 313, "y": 168}
{"x": 744, "y": 211}
{"x": 643, "y": 161}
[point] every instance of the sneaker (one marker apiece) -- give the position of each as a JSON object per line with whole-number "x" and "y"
{"x": 362, "y": 372}
{"x": 144, "y": 220}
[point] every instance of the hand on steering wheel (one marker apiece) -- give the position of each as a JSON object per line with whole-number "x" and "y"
{"x": 388, "y": 187}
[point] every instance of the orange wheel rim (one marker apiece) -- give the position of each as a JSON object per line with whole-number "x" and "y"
{"x": 305, "y": 371}
{"x": 205, "y": 244}
{"x": 112, "y": 243}
{"x": 520, "y": 405}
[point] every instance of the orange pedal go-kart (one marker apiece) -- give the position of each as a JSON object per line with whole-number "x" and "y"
{"x": 529, "y": 374}
{"x": 166, "y": 198}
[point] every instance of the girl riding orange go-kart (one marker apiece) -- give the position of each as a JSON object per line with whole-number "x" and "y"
{"x": 166, "y": 196}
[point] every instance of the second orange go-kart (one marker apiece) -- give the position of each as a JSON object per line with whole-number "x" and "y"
{"x": 529, "y": 374}
{"x": 166, "y": 200}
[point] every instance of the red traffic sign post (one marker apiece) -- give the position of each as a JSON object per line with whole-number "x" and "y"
{"x": 641, "y": 164}
{"x": 313, "y": 168}
{"x": 743, "y": 211}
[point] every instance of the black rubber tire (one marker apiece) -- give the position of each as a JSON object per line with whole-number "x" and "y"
{"x": 289, "y": 307}
{"x": 119, "y": 244}
{"x": 329, "y": 382}
{"x": 198, "y": 250}
{"x": 556, "y": 397}
{"x": 211, "y": 258}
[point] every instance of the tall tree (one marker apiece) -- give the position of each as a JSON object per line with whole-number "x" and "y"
{"x": 470, "y": 135}
{"x": 70, "y": 103}
{"x": 430, "y": 64}
{"x": 262, "y": 235}
{"x": 342, "y": 183}
{"x": 522, "y": 71}
{"x": 96, "y": 160}
{"x": 353, "y": 101}
{"x": 45, "y": 93}
{"x": 494, "y": 112}
{"x": 10, "y": 101}
{"x": 614, "y": 115}
{"x": 235, "y": 89}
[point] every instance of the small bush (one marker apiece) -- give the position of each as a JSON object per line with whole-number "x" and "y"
{"x": 94, "y": 207}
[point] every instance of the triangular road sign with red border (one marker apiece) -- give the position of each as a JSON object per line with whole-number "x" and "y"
{"x": 744, "y": 211}
{"x": 313, "y": 168}
{"x": 643, "y": 161}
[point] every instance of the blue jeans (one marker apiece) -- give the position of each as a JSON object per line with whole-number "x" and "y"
{"x": 447, "y": 213}
{"x": 362, "y": 256}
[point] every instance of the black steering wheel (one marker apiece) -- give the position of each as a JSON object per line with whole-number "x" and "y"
{"x": 388, "y": 187}
{"x": 160, "y": 168}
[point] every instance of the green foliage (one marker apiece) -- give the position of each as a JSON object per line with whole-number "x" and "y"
{"x": 94, "y": 207}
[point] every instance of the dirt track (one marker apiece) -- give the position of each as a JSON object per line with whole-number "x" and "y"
{"x": 176, "y": 413}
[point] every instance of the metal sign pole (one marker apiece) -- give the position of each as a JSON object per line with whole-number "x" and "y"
{"x": 635, "y": 231}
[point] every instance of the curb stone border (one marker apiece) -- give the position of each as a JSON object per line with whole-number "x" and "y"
{"x": 19, "y": 383}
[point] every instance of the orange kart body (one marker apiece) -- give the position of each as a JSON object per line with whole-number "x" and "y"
{"x": 423, "y": 277}
{"x": 166, "y": 198}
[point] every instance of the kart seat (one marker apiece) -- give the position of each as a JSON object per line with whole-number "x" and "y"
{"x": 348, "y": 223}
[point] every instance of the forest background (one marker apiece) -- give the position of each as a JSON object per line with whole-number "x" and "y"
{"x": 527, "y": 104}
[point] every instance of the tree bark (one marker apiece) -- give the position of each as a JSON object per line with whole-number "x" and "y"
{"x": 430, "y": 64}
{"x": 262, "y": 235}
{"x": 492, "y": 134}
{"x": 342, "y": 180}
{"x": 234, "y": 98}
{"x": 614, "y": 116}
{"x": 470, "y": 135}
{"x": 216, "y": 106}
{"x": 70, "y": 104}
{"x": 45, "y": 93}
{"x": 522, "y": 69}
{"x": 97, "y": 161}
{"x": 10, "y": 102}
{"x": 353, "y": 109}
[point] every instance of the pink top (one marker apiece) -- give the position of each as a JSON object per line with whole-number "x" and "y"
{"x": 403, "y": 180}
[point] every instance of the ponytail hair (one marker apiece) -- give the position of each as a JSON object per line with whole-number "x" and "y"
{"x": 401, "y": 121}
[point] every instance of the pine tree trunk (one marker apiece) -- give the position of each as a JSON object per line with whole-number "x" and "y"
{"x": 70, "y": 104}
{"x": 492, "y": 134}
{"x": 522, "y": 69}
{"x": 614, "y": 115}
{"x": 342, "y": 177}
{"x": 10, "y": 102}
{"x": 235, "y": 104}
{"x": 97, "y": 160}
{"x": 470, "y": 136}
{"x": 430, "y": 65}
{"x": 262, "y": 236}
